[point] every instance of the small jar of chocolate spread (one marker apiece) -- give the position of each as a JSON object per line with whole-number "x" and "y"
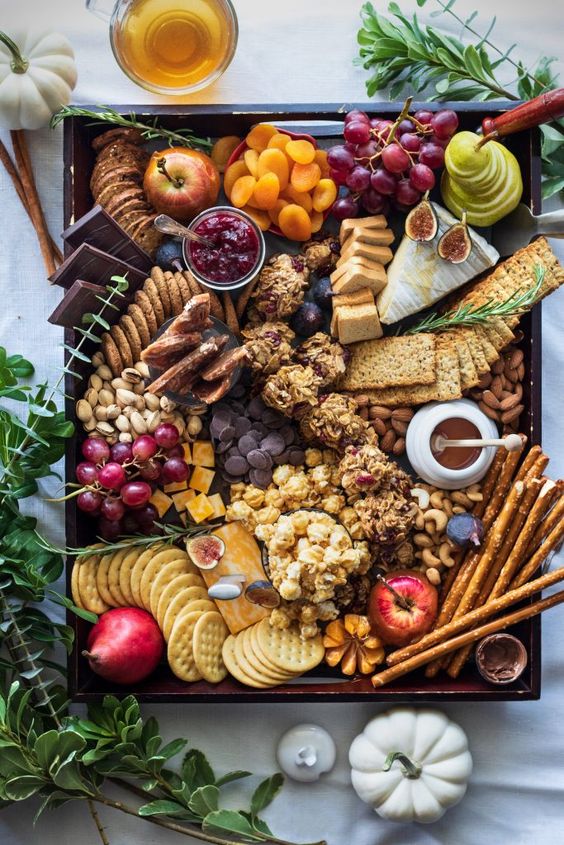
{"x": 501, "y": 658}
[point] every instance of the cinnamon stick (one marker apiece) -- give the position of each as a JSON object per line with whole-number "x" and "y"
{"x": 475, "y": 616}
{"x": 445, "y": 648}
{"x": 36, "y": 212}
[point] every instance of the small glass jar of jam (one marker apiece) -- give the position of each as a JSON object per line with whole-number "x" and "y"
{"x": 454, "y": 467}
{"x": 238, "y": 252}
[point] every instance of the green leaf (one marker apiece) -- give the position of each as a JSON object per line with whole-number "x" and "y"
{"x": 257, "y": 823}
{"x": 196, "y": 771}
{"x": 204, "y": 800}
{"x": 19, "y": 366}
{"x": 551, "y": 186}
{"x": 172, "y": 748}
{"x": 230, "y": 821}
{"x": 161, "y": 807}
{"x": 266, "y": 792}
{"x": 472, "y": 62}
{"x": 22, "y": 787}
{"x": 231, "y": 776}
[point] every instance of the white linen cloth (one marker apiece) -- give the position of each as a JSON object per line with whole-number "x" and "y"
{"x": 293, "y": 51}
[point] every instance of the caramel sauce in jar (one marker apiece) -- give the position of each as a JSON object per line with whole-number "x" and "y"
{"x": 456, "y": 457}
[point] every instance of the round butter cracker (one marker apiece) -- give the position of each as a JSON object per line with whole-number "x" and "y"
{"x": 210, "y": 632}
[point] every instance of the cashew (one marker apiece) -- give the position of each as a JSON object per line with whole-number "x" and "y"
{"x": 447, "y": 507}
{"x": 422, "y": 540}
{"x": 429, "y": 559}
{"x": 420, "y": 521}
{"x": 433, "y": 576}
{"x": 475, "y": 497}
{"x": 458, "y": 509}
{"x": 421, "y": 495}
{"x": 437, "y": 499}
{"x": 439, "y": 518}
{"x": 445, "y": 555}
{"x": 461, "y": 498}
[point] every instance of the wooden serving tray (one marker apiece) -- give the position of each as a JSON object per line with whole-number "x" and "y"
{"x": 326, "y": 684}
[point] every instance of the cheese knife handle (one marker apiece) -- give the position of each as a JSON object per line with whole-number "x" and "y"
{"x": 543, "y": 109}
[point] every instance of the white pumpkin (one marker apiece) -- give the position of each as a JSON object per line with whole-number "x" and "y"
{"x": 37, "y": 75}
{"x": 410, "y": 765}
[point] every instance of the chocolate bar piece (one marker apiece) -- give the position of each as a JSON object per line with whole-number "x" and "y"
{"x": 78, "y": 300}
{"x": 93, "y": 265}
{"x": 100, "y": 230}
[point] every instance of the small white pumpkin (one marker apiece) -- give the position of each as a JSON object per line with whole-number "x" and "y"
{"x": 410, "y": 765}
{"x": 37, "y": 75}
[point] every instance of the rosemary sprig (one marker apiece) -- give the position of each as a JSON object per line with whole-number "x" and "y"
{"x": 469, "y": 315}
{"x": 150, "y": 131}
{"x": 170, "y": 535}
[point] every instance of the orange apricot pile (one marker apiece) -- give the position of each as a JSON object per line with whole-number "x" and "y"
{"x": 282, "y": 182}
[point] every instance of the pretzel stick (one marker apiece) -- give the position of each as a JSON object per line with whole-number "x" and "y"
{"x": 35, "y": 210}
{"x": 551, "y": 542}
{"x": 17, "y": 183}
{"x": 472, "y": 558}
{"x": 545, "y": 526}
{"x": 245, "y": 296}
{"x": 382, "y": 678}
{"x": 440, "y": 635}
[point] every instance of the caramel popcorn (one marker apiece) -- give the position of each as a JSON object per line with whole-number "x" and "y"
{"x": 269, "y": 346}
{"x": 280, "y": 288}
{"x": 325, "y": 356}
{"x": 335, "y": 423}
{"x": 292, "y": 390}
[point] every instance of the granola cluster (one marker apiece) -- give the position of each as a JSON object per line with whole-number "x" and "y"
{"x": 335, "y": 423}
{"x": 366, "y": 469}
{"x": 292, "y": 390}
{"x": 280, "y": 288}
{"x": 321, "y": 256}
{"x": 325, "y": 356}
{"x": 269, "y": 347}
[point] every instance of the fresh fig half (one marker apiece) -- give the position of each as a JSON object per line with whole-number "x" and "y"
{"x": 262, "y": 593}
{"x": 456, "y": 244}
{"x": 205, "y": 551}
{"x": 465, "y": 529}
{"x": 421, "y": 224}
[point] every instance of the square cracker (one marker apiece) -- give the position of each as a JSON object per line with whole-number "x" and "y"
{"x": 391, "y": 361}
{"x": 468, "y": 373}
{"x": 467, "y": 334}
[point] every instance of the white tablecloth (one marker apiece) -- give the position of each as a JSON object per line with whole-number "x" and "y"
{"x": 293, "y": 51}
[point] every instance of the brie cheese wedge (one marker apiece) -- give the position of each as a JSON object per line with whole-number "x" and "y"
{"x": 418, "y": 277}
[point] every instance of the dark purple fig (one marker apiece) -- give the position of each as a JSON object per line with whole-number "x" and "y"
{"x": 262, "y": 593}
{"x": 308, "y": 319}
{"x": 465, "y": 530}
{"x": 205, "y": 551}
{"x": 169, "y": 255}
{"x": 322, "y": 293}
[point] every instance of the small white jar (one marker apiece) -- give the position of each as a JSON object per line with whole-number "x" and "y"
{"x": 418, "y": 444}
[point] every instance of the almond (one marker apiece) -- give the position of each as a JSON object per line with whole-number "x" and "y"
{"x": 509, "y": 416}
{"x": 521, "y": 371}
{"x": 512, "y": 375}
{"x": 509, "y": 402}
{"x": 380, "y": 411}
{"x": 516, "y": 358}
{"x": 362, "y": 400}
{"x": 399, "y": 446}
{"x": 497, "y": 386}
{"x": 403, "y": 414}
{"x": 399, "y": 426}
{"x": 388, "y": 441}
{"x": 363, "y": 413}
{"x": 519, "y": 390}
{"x": 490, "y": 399}
{"x": 379, "y": 426}
{"x": 485, "y": 380}
{"x": 489, "y": 412}
{"x": 497, "y": 367}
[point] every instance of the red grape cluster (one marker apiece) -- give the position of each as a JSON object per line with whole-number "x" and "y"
{"x": 383, "y": 162}
{"x": 119, "y": 480}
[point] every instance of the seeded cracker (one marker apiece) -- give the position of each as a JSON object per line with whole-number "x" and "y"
{"x": 391, "y": 361}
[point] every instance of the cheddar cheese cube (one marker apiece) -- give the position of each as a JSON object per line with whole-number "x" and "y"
{"x": 200, "y": 508}
{"x": 187, "y": 453}
{"x": 161, "y": 501}
{"x": 181, "y": 499}
{"x": 218, "y": 506}
{"x": 175, "y": 487}
{"x": 203, "y": 454}
{"x": 201, "y": 479}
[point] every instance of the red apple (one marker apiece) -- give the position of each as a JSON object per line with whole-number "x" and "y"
{"x": 181, "y": 182}
{"x": 403, "y": 606}
{"x": 125, "y": 645}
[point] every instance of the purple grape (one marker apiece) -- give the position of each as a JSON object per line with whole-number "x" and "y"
{"x": 383, "y": 181}
{"x": 136, "y": 493}
{"x": 444, "y": 123}
{"x": 96, "y": 449}
{"x": 129, "y": 523}
{"x": 374, "y": 203}
{"x": 358, "y": 179}
{"x": 422, "y": 177}
{"x": 345, "y": 207}
{"x": 424, "y": 116}
{"x": 176, "y": 451}
{"x": 406, "y": 194}
{"x": 89, "y": 502}
{"x": 146, "y": 446}
{"x": 150, "y": 470}
{"x": 339, "y": 158}
{"x": 121, "y": 453}
{"x": 175, "y": 469}
{"x": 410, "y": 142}
{"x": 112, "y": 509}
{"x": 355, "y": 115}
{"x": 357, "y": 132}
{"x": 432, "y": 155}
{"x": 112, "y": 476}
{"x": 109, "y": 530}
{"x": 406, "y": 126}
{"x": 339, "y": 177}
{"x": 166, "y": 435}
{"x": 395, "y": 158}
{"x": 364, "y": 152}
{"x": 86, "y": 472}
{"x": 147, "y": 515}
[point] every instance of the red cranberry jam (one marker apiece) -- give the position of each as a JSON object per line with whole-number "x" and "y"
{"x": 236, "y": 248}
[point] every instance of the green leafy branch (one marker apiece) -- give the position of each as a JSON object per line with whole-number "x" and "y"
{"x": 150, "y": 131}
{"x": 468, "y": 314}
{"x": 400, "y": 52}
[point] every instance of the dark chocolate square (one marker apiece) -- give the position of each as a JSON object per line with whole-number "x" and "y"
{"x": 93, "y": 265}
{"x": 81, "y": 298}
{"x": 100, "y": 230}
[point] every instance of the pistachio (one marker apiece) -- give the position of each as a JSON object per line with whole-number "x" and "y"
{"x": 153, "y": 420}
{"x": 139, "y": 388}
{"x": 152, "y": 402}
{"x": 122, "y": 423}
{"x": 131, "y": 375}
{"x": 113, "y": 411}
{"x": 121, "y": 384}
{"x": 125, "y": 437}
{"x": 83, "y": 410}
{"x": 91, "y": 396}
{"x": 101, "y": 413}
{"x": 138, "y": 423}
{"x": 104, "y": 428}
{"x": 106, "y": 397}
{"x": 90, "y": 424}
{"x": 98, "y": 359}
{"x": 167, "y": 404}
{"x": 139, "y": 403}
{"x": 127, "y": 411}
{"x": 96, "y": 382}
{"x": 104, "y": 372}
{"x": 125, "y": 397}
{"x": 194, "y": 426}
{"x": 142, "y": 368}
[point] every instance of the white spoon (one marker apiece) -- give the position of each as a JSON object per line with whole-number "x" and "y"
{"x": 512, "y": 443}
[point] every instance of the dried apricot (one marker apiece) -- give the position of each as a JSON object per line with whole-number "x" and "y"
{"x": 266, "y": 191}
{"x": 233, "y": 172}
{"x": 261, "y": 218}
{"x": 316, "y": 221}
{"x": 274, "y": 161}
{"x": 321, "y": 160}
{"x": 279, "y": 141}
{"x": 295, "y": 223}
{"x": 242, "y": 190}
{"x": 223, "y": 149}
{"x": 274, "y": 212}
{"x": 303, "y": 152}
{"x": 251, "y": 157}
{"x": 304, "y": 177}
{"x": 260, "y": 135}
{"x": 324, "y": 195}
{"x": 299, "y": 197}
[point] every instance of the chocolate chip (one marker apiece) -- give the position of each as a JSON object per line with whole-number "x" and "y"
{"x": 272, "y": 418}
{"x": 222, "y": 447}
{"x": 257, "y": 459}
{"x": 242, "y": 426}
{"x": 236, "y": 465}
{"x": 287, "y": 432}
{"x": 231, "y": 479}
{"x": 260, "y": 477}
{"x": 255, "y": 408}
{"x": 237, "y": 392}
{"x": 273, "y": 443}
{"x": 246, "y": 444}
{"x": 233, "y": 452}
{"x": 227, "y": 434}
{"x": 260, "y": 429}
{"x": 296, "y": 457}
{"x": 283, "y": 458}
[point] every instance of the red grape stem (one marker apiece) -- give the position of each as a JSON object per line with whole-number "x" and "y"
{"x": 402, "y": 116}
{"x": 88, "y": 488}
